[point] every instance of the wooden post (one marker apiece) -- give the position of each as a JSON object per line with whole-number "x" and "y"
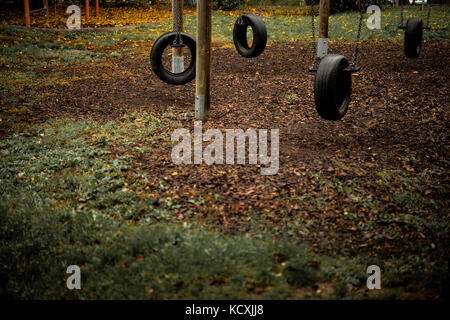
{"x": 322, "y": 41}
{"x": 26, "y": 4}
{"x": 97, "y": 9}
{"x": 203, "y": 62}
{"x": 86, "y": 4}
{"x": 177, "y": 25}
{"x": 47, "y": 11}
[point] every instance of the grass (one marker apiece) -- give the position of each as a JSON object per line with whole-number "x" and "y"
{"x": 67, "y": 199}
{"x": 70, "y": 194}
{"x": 65, "y": 202}
{"x": 35, "y": 50}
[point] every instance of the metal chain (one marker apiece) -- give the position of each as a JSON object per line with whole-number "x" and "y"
{"x": 401, "y": 12}
{"x": 358, "y": 36}
{"x": 177, "y": 25}
{"x": 313, "y": 28}
{"x": 239, "y": 20}
{"x": 402, "y": 18}
{"x": 260, "y": 7}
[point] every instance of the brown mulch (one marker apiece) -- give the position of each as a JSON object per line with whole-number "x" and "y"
{"x": 399, "y": 109}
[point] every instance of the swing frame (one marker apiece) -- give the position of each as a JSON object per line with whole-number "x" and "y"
{"x": 28, "y": 12}
{"x": 427, "y": 27}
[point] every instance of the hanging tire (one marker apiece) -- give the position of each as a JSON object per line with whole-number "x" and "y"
{"x": 259, "y": 35}
{"x": 332, "y": 87}
{"x": 156, "y": 59}
{"x": 413, "y": 37}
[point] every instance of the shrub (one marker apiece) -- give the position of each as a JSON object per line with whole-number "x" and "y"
{"x": 344, "y": 5}
{"x": 226, "y": 5}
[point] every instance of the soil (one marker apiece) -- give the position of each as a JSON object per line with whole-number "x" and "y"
{"x": 399, "y": 110}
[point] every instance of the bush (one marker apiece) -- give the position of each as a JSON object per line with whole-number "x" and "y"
{"x": 344, "y": 5}
{"x": 226, "y": 5}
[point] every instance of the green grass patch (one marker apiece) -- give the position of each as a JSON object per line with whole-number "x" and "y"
{"x": 134, "y": 132}
{"x": 67, "y": 199}
{"x": 32, "y": 49}
{"x": 65, "y": 202}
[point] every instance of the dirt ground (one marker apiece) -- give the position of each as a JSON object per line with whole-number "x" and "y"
{"x": 399, "y": 109}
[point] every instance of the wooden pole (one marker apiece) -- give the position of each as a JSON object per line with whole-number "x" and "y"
{"x": 97, "y": 9}
{"x": 26, "y": 4}
{"x": 322, "y": 41}
{"x": 203, "y": 62}
{"x": 86, "y": 4}
{"x": 177, "y": 25}
{"x": 47, "y": 12}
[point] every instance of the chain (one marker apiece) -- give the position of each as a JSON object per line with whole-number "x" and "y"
{"x": 177, "y": 22}
{"x": 402, "y": 18}
{"x": 358, "y": 36}
{"x": 313, "y": 28}
{"x": 401, "y": 12}
{"x": 260, "y": 7}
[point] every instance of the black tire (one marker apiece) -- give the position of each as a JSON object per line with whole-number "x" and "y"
{"x": 413, "y": 37}
{"x": 332, "y": 87}
{"x": 156, "y": 59}
{"x": 259, "y": 35}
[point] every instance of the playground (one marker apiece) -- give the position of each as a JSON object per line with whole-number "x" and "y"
{"x": 86, "y": 176}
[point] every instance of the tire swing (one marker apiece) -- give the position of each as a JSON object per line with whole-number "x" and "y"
{"x": 332, "y": 87}
{"x": 413, "y": 34}
{"x": 333, "y": 81}
{"x": 259, "y": 34}
{"x": 174, "y": 40}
